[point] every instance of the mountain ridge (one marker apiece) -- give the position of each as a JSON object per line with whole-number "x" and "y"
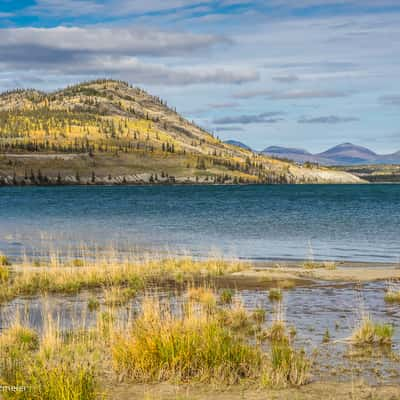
{"x": 106, "y": 131}
{"x": 342, "y": 154}
{"x": 237, "y": 143}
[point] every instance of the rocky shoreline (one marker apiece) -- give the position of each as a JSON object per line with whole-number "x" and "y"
{"x": 135, "y": 179}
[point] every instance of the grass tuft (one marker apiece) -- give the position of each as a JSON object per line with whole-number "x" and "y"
{"x": 327, "y": 336}
{"x": 259, "y": 316}
{"x": 192, "y": 347}
{"x": 288, "y": 366}
{"x": 202, "y": 295}
{"x": 392, "y": 296}
{"x": 371, "y": 333}
{"x": 277, "y": 332}
{"x": 275, "y": 294}
{"x": 226, "y": 296}
{"x": 329, "y": 265}
{"x": 116, "y": 296}
{"x": 4, "y": 261}
{"x": 93, "y": 304}
{"x": 4, "y": 274}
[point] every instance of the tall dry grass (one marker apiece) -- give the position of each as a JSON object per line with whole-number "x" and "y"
{"x": 100, "y": 271}
{"x": 45, "y": 366}
{"x": 190, "y": 338}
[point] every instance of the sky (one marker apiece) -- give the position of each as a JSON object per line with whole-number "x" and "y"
{"x": 298, "y": 73}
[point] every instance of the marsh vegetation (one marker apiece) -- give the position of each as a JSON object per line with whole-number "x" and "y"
{"x": 81, "y": 327}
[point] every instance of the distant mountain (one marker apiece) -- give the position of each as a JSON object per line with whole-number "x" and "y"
{"x": 283, "y": 150}
{"x": 238, "y": 144}
{"x": 343, "y": 154}
{"x": 348, "y": 153}
{"x": 298, "y": 155}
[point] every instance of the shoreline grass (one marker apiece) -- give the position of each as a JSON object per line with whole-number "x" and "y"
{"x": 328, "y": 265}
{"x": 392, "y": 296}
{"x": 369, "y": 332}
{"x": 104, "y": 272}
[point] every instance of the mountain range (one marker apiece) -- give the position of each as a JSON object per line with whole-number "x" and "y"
{"x": 342, "y": 154}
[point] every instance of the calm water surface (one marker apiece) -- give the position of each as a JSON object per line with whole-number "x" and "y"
{"x": 355, "y": 222}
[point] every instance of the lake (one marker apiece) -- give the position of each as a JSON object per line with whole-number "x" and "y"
{"x": 334, "y": 222}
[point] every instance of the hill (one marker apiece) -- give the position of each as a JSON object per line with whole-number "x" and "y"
{"x": 238, "y": 144}
{"x": 107, "y": 132}
{"x": 343, "y": 154}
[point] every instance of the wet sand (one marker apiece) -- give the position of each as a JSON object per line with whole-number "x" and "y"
{"x": 313, "y": 391}
{"x": 344, "y": 272}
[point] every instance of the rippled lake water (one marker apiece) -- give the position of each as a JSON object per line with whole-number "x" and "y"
{"x": 342, "y": 222}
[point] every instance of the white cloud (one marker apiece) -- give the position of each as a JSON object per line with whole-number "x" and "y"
{"x": 137, "y": 71}
{"x": 329, "y": 119}
{"x": 109, "y": 40}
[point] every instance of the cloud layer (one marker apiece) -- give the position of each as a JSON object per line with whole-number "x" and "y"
{"x": 115, "y": 52}
{"x": 330, "y": 119}
{"x": 297, "y": 94}
{"x": 263, "y": 118}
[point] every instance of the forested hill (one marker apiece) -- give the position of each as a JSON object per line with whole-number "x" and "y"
{"x": 106, "y": 131}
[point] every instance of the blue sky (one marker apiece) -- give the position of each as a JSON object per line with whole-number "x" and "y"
{"x": 304, "y": 73}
